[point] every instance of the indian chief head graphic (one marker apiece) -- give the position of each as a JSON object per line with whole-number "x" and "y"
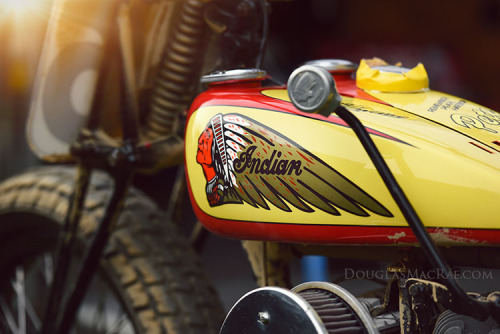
{"x": 212, "y": 157}
{"x": 245, "y": 161}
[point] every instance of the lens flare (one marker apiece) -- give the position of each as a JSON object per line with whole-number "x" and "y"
{"x": 20, "y": 5}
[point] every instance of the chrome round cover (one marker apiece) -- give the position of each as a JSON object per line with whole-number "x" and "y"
{"x": 230, "y": 75}
{"x": 272, "y": 310}
{"x": 312, "y": 89}
{"x": 335, "y": 66}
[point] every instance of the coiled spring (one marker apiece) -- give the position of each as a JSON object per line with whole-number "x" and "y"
{"x": 179, "y": 67}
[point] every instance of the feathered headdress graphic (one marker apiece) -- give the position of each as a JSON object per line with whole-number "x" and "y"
{"x": 245, "y": 161}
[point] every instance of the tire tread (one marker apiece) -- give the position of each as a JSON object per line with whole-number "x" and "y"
{"x": 158, "y": 274}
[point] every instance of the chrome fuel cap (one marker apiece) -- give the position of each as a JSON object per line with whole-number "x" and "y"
{"x": 234, "y": 75}
{"x": 334, "y": 66}
{"x": 312, "y": 89}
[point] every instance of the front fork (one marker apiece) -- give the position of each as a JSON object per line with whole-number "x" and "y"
{"x": 131, "y": 155}
{"x": 62, "y": 324}
{"x": 120, "y": 162}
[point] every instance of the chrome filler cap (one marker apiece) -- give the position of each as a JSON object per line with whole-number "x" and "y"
{"x": 312, "y": 89}
{"x": 334, "y": 66}
{"x": 233, "y": 75}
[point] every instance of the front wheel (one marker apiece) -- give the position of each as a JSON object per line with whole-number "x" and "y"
{"x": 148, "y": 281}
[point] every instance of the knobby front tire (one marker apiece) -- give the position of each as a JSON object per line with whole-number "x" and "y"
{"x": 149, "y": 275}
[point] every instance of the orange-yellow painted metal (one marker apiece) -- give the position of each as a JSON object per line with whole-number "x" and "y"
{"x": 450, "y": 172}
{"x": 477, "y": 122}
{"x": 415, "y": 80}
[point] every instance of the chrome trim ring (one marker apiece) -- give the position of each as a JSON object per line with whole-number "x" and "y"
{"x": 258, "y": 306}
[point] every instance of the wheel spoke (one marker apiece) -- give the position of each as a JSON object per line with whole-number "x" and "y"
{"x": 21, "y": 312}
{"x": 31, "y": 312}
{"x": 102, "y": 320}
{"x": 118, "y": 325}
{"x": 8, "y": 316}
{"x": 100, "y": 314}
{"x": 33, "y": 233}
{"x": 32, "y": 315}
{"x": 48, "y": 268}
{"x": 21, "y": 300}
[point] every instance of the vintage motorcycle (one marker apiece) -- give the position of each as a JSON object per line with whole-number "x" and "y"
{"x": 338, "y": 162}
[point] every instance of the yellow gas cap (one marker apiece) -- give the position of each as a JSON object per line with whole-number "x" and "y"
{"x": 390, "y": 78}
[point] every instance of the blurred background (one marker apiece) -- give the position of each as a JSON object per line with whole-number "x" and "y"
{"x": 22, "y": 29}
{"x": 457, "y": 41}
